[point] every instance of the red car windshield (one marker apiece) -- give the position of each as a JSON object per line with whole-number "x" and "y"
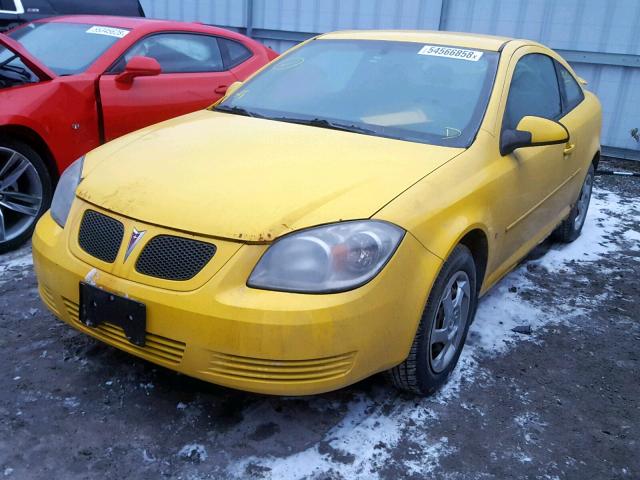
{"x": 67, "y": 48}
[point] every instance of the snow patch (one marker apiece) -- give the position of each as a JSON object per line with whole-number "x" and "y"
{"x": 633, "y": 236}
{"x": 15, "y": 261}
{"x": 146, "y": 457}
{"x": 193, "y": 452}
{"x": 602, "y": 228}
{"x": 71, "y": 402}
{"x": 429, "y": 458}
{"x": 91, "y": 277}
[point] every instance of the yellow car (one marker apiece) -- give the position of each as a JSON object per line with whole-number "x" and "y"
{"x": 336, "y": 215}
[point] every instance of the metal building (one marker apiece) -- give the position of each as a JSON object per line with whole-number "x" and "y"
{"x": 600, "y": 38}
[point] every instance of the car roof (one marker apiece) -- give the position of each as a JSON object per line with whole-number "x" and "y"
{"x": 105, "y": 20}
{"x": 458, "y": 39}
{"x": 137, "y": 23}
{"x": 145, "y": 26}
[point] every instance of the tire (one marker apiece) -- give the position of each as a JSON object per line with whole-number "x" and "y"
{"x": 571, "y": 227}
{"x": 25, "y": 192}
{"x": 429, "y": 364}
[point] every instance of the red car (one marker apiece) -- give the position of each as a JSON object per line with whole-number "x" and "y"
{"x": 69, "y": 84}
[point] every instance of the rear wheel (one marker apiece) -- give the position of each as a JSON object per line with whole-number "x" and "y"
{"x": 25, "y": 192}
{"x": 571, "y": 227}
{"x": 443, "y": 327}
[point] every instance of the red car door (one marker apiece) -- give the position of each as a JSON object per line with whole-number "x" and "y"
{"x": 192, "y": 76}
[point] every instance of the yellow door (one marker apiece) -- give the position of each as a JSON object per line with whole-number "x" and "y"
{"x": 579, "y": 123}
{"x": 531, "y": 177}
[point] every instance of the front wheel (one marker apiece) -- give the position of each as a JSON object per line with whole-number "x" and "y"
{"x": 25, "y": 192}
{"x": 571, "y": 227}
{"x": 443, "y": 327}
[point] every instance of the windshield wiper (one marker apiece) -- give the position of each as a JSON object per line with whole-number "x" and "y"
{"x": 324, "y": 123}
{"x": 18, "y": 70}
{"x": 237, "y": 111}
{"x": 8, "y": 60}
{"x": 22, "y": 72}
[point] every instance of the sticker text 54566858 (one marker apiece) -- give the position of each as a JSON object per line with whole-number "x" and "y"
{"x": 109, "y": 31}
{"x": 450, "y": 52}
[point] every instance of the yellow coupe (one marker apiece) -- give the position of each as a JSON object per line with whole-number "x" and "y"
{"x": 336, "y": 215}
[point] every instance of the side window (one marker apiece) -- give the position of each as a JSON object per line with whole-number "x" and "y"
{"x": 572, "y": 91}
{"x": 236, "y": 52}
{"x": 177, "y": 53}
{"x": 534, "y": 91}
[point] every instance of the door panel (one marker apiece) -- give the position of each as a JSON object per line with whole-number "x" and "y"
{"x": 580, "y": 128}
{"x": 534, "y": 188}
{"x": 149, "y": 100}
{"x": 534, "y": 180}
{"x": 193, "y": 77}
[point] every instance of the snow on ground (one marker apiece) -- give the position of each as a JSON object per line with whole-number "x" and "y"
{"x": 601, "y": 230}
{"x": 368, "y": 423}
{"x": 15, "y": 261}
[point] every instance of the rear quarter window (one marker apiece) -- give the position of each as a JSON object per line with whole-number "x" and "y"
{"x": 236, "y": 52}
{"x": 572, "y": 91}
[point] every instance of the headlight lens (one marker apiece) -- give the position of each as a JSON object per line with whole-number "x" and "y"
{"x": 326, "y": 259}
{"x": 66, "y": 192}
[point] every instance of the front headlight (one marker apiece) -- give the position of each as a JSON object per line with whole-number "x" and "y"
{"x": 66, "y": 192}
{"x": 331, "y": 258}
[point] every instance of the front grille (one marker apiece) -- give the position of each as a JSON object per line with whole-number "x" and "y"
{"x": 100, "y": 236}
{"x": 174, "y": 258}
{"x": 159, "y": 349}
{"x": 291, "y": 371}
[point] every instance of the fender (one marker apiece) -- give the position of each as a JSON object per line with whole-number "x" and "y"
{"x": 442, "y": 208}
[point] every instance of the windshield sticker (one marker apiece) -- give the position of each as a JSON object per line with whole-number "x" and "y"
{"x": 109, "y": 31}
{"x": 448, "y": 52}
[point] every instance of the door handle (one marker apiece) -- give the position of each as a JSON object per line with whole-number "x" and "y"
{"x": 222, "y": 89}
{"x": 569, "y": 147}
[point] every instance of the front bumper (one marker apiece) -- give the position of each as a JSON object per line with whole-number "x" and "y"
{"x": 223, "y": 332}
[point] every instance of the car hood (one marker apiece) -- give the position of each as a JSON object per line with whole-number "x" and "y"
{"x": 251, "y": 179}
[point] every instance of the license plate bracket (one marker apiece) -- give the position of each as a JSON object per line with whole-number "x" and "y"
{"x": 98, "y": 306}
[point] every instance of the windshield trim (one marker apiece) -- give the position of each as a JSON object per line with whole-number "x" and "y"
{"x": 477, "y": 117}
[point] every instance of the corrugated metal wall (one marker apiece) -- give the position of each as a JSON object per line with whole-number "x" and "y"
{"x": 601, "y": 38}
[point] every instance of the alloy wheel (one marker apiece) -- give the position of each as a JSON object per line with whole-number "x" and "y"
{"x": 450, "y": 322}
{"x": 583, "y": 202}
{"x": 20, "y": 194}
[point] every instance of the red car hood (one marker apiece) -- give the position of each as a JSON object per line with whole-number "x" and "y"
{"x": 40, "y": 69}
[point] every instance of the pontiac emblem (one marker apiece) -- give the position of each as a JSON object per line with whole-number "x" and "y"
{"x": 136, "y": 236}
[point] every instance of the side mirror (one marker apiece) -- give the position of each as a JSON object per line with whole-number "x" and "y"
{"x": 232, "y": 88}
{"x": 139, "y": 67}
{"x": 532, "y": 132}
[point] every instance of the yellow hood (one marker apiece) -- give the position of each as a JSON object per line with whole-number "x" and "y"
{"x": 250, "y": 179}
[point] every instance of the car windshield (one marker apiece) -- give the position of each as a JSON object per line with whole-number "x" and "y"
{"x": 410, "y": 91}
{"x": 13, "y": 71}
{"x": 67, "y": 48}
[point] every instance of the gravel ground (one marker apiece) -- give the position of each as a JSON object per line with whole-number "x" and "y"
{"x": 561, "y": 402}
